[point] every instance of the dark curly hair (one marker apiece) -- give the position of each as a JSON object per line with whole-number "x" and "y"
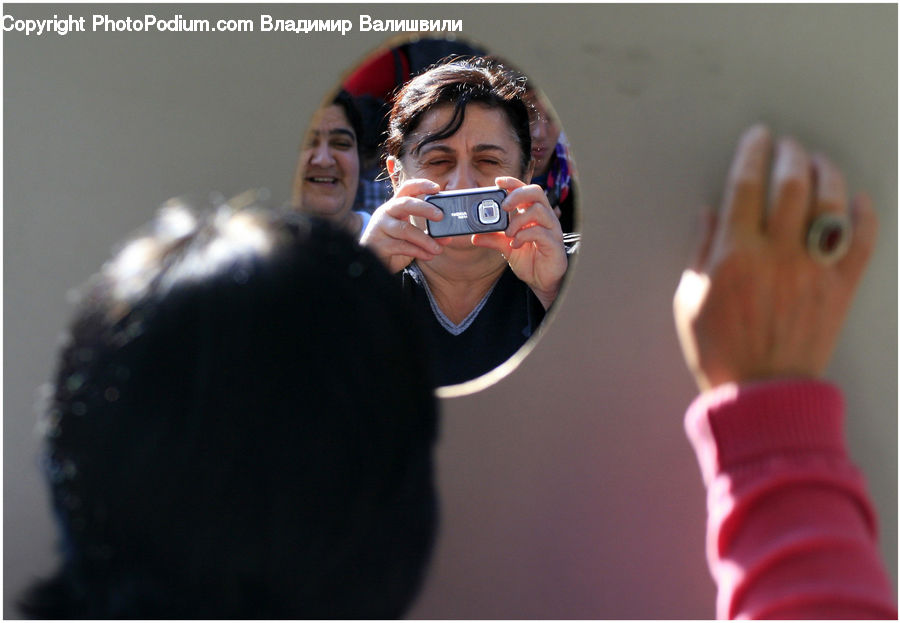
{"x": 227, "y": 436}
{"x": 459, "y": 82}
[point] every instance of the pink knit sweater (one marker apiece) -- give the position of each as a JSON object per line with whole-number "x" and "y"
{"x": 791, "y": 531}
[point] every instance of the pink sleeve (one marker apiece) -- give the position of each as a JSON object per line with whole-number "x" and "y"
{"x": 791, "y": 531}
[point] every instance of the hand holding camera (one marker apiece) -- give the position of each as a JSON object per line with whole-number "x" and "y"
{"x": 532, "y": 243}
{"x": 522, "y": 227}
{"x": 391, "y": 235}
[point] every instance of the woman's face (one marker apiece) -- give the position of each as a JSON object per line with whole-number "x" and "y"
{"x": 328, "y": 169}
{"x": 484, "y": 147}
{"x": 544, "y": 136}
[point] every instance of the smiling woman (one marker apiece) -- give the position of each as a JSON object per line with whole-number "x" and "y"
{"x": 327, "y": 175}
{"x": 466, "y": 124}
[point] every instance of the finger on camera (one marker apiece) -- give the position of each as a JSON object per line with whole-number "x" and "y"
{"x": 790, "y": 208}
{"x": 416, "y": 187}
{"x": 537, "y": 235}
{"x": 508, "y": 183}
{"x": 745, "y": 187}
{"x": 404, "y": 230}
{"x": 529, "y": 202}
{"x": 524, "y": 197}
{"x": 831, "y": 187}
{"x": 398, "y": 247}
{"x": 528, "y": 220}
{"x": 401, "y": 208}
{"x": 541, "y": 217}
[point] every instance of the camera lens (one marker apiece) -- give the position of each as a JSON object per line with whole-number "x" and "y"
{"x": 488, "y": 212}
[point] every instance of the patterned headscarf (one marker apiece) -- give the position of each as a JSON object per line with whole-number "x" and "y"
{"x": 559, "y": 175}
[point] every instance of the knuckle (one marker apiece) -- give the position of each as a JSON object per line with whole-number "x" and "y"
{"x": 836, "y": 175}
{"x": 401, "y": 228}
{"x": 830, "y": 204}
{"x": 745, "y": 185}
{"x": 401, "y": 207}
{"x": 826, "y": 166}
{"x": 794, "y": 188}
{"x": 735, "y": 267}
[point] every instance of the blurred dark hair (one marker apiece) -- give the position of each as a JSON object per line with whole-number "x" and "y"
{"x": 241, "y": 426}
{"x": 458, "y": 83}
{"x": 351, "y": 111}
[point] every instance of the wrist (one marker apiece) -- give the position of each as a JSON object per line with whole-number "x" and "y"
{"x": 546, "y": 296}
{"x": 734, "y": 424}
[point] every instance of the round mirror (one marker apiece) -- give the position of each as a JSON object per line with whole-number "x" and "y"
{"x": 453, "y": 168}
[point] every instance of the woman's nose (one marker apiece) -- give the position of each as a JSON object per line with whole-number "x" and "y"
{"x": 321, "y": 155}
{"x": 462, "y": 177}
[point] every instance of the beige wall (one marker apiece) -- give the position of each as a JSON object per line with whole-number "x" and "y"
{"x": 568, "y": 489}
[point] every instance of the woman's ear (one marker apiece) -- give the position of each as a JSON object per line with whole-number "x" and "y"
{"x": 394, "y": 169}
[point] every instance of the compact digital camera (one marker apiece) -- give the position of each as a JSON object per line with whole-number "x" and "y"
{"x": 468, "y": 211}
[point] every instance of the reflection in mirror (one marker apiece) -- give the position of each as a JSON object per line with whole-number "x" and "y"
{"x": 327, "y": 175}
{"x": 433, "y": 116}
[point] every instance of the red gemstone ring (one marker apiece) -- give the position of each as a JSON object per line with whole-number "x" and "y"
{"x": 828, "y": 238}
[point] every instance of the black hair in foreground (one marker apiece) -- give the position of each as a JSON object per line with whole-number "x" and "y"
{"x": 241, "y": 426}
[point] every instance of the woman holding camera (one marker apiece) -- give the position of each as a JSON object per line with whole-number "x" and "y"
{"x": 462, "y": 125}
